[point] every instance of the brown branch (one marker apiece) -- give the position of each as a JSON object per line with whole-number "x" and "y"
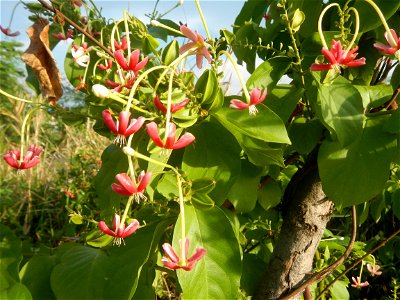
{"x": 73, "y": 24}
{"x": 392, "y": 101}
{"x": 355, "y": 263}
{"x": 328, "y": 270}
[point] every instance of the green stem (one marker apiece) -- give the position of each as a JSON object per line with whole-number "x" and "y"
{"x": 357, "y": 29}
{"x": 321, "y": 16}
{"x": 23, "y": 128}
{"x": 12, "y": 14}
{"x": 128, "y": 205}
{"x": 183, "y": 225}
{"x": 169, "y": 103}
{"x": 203, "y": 20}
{"x": 127, "y": 34}
{"x": 161, "y": 25}
{"x": 239, "y": 74}
{"x": 383, "y": 20}
{"x": 17, "y": 98}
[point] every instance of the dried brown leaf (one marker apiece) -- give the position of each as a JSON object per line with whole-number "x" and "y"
{"x": 39, "y": 57}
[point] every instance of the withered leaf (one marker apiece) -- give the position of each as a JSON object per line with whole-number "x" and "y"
{"x": 39, "y": 57}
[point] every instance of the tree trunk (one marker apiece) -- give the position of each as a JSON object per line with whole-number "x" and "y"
{"x": 306, "y": 213}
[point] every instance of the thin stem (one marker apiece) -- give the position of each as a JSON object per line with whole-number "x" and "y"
{"x": 239, "y": 74}
{"x": 17, "y": 98}
{"x": 127, "y": 34}
{"x": 357, "y": 29}
{"x": 23, "y": 128}
{"x": 169, "y": 103}
{"x": 383, "y": 20}
{"x": 12, "y": 14}
{"x": 128, "y": 205}
{"x": 203, "y": 20}
{"x": 355, "y": 263}
{"x": 183, "y": 225}
{"x": 321, "y": 16}
{"x": 161, "y": 25}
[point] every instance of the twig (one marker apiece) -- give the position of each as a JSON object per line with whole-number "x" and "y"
{"x": 392, "y": 100}
{"x": 73, "y": 24}
{"x": 328, "y": 270}
{"x": 355, "y": 263}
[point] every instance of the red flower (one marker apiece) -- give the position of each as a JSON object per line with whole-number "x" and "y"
{"x": 119, "y": 231}
{"x": 7, "y": 31}
{"x": 62, "y": 37}
{"x": 173, "y": 261}
{"x": 121, "y": 128}
{"x": 121, "y": 46}
{"x": 338, "y": 58}
{"x": 392, "y": 47}
{"x": 170, "y": 142}
{"x": 107, "y": 67}
{"x": 31, "y": 158}
{"x": 196, "y": 45}
{"x": 358, "y": 284}
{"x": 133, "y": 65}
{"x": 81, "y": 85}
{"x": 255, "y": 98}
{"x": 128, "y": 188}
{"x": 174, "y": 107}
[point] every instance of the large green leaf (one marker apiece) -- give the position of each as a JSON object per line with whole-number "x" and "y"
{"x": 114, "y": 161}
{"x": 89, "y": 273}
{"x": 369, "y": 19}
{"x": 243, "y": 193}
{"x": 269, "y": 73}
{"x": 215, "y": 155}
{"x": 305, "y": 134}
{"x": 357, "y": 172}
{"x": 265, "y": 126}
{"x": 217, "y": 274}
{"x": 341, "y": 110}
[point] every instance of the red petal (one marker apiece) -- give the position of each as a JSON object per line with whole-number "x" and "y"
{"x": 152, "y": 130}
{"x": 176, "y": 107}
{"x": 103, "y": 227}
{"x": 170, "y": 265}
{"x": 184, "y": 140}
{"x": 170, "y": 253}
{"x": 123, "y": 121}
{"x": 188, "y": 33}
{"x": 108, "y": 120}
{"x": 134, "y": 59}
{"x": 120, "y": 59}
{"x": 159, "y": 104}
{"x": 320, "y": 67}
{"x": 239, "y": 105}
{"x": 135, "y": 125}
{"x": 11, "y": 160}
{"x": 132, "y": 227}
{"x": 143, "y": 181}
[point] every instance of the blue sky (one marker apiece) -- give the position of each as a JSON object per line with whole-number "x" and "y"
{"x": 218, "y": 14}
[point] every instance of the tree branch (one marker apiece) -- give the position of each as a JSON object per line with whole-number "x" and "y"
{"x": 73, "y": 24}
{"x": 328, "y": 270}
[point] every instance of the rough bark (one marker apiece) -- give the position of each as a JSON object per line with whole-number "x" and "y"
{"x": 306, "y": 213}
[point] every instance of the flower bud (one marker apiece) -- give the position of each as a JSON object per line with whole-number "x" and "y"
{"x": 100, "y": 91}
{"x": 128, "y": 151}
{"x": 155, "y": 23}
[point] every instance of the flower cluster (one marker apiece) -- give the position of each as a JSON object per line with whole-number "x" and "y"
{"x": 393, "y": 44}
{"x": 255, "y": 98}
{"x": 173, "y": 261}
{"x": 79, "y": 54}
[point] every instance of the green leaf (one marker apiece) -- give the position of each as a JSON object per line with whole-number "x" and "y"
{"x": 270, "y": 195}
{"x": 305, "y": 134}
{"x": 203, "y": 185}
{"x": 283, "y": 100}
{"x": 202, "y": 201}
{"x": 243, "y": 193}
{"x": 265, "y": 126}
{"x": 341, "y": 110}
{"x": 18, "y": 291}
{"x": 35, "y": 275}
{"x": 208, "y": 91}
{"x": 375, "y": 95}
{"x": 114, "y": 161}
{"x": 10, "y": 258}
{"x": 369, "y": 19}
{"x": 357, "y": 172}
{"x": 214, "y": 155}
{"x": 220, "y": 269}
{"x": 392, "y": 125}
{"x": 269, "y": 73}
{"x": 167, "y": 186}
{"x": 253, "y": 270}
{"x": 170, "y": 52}
{"x": 339, "y": 291}
{"x": 88, "y": 273}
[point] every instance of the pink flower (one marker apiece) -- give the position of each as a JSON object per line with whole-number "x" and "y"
{"x": 196, "y": 45}
{"x": 79, "y": 54}
{"x": 31, "y": 158}
{"x": 7, "y": 31}
{"x": 62, "y": 37}
{"x": 133, "y": 65}
{"x": 375, "y": 270}
{"x": 170, "y": 142}
{"x": 173, "y": 261}
{"x": 338, "y": 58}
{"x": 119, "y": 232}
{"x": 128, "y": 188}
{"x": 174, "y": 107}
{"x": 255, "y": 98}
{"x": 358, "y": 284}
{"x": 106, "y": 67}
{"x": 392, "y": 47}
{"x": 121, "y": 46}
{"x": 122, "y": 128}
